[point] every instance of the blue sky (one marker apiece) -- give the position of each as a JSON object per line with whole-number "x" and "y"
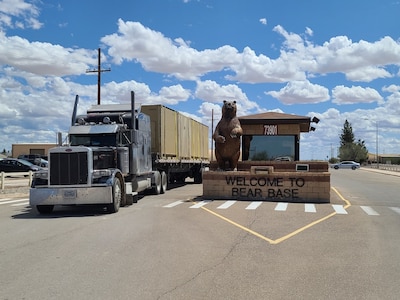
{"x": 336, "y": 60}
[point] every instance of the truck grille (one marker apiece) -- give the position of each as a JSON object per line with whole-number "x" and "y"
{"x": 68, "y": 168}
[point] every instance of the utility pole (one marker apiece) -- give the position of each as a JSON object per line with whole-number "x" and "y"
{"x": 98, "y": 71}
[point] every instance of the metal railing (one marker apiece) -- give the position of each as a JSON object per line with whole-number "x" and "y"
{"x": 5, "y": 177}
{"x": 387, "y": 167}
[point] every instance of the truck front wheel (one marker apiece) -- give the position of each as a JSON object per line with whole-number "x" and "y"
{"x": 117, "y": 196}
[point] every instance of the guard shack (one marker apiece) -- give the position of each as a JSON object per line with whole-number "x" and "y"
{"x": 270, "y": 168}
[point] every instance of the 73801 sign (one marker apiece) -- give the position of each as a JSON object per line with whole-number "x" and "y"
{"x": 270, "y": 129}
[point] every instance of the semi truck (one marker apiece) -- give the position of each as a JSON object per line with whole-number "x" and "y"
{"x": 116, "y": 151}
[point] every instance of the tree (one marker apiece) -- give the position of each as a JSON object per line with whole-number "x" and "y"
{"x": 260, "y": 156}
{"x": 347, "y": 135}
{"x": 350, "y": 150}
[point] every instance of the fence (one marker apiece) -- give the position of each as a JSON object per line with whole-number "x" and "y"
{"x": 387, "y": 167}
{"x": 6, "y": 177}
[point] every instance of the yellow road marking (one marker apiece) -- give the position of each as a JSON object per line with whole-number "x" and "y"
{"x": 239, "y": 226}
{"x": 284, "y": 238}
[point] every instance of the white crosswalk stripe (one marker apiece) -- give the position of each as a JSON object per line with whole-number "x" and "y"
{"x": 227, "y": 204}
{"x": 254, "y": 205}
{"x": 396, "y": 209}
{"x": 281, "y": 206}
{"x": 9, "y": 201}
{"x": 339, "y": 209}
{"x": 369, "y": 211}
{"x": 310, "y": 207}
{"x": 200, "y": 204}
{"x": 173, "y": 204}
{"x": 21, "y": 204}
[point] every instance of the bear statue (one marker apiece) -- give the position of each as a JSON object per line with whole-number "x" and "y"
{"x": 227, "y": 137}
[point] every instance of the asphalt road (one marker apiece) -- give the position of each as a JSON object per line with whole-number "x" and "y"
{"x": 174, "y": 246}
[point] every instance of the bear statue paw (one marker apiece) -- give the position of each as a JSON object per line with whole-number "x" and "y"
{"x": 220, "y": 139}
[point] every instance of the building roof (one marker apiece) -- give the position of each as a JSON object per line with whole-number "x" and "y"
{"x": 277, "y": 118}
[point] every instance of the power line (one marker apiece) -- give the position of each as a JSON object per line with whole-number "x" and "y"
{"x": 98, "y": 71}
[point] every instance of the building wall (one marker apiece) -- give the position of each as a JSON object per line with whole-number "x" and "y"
{"x": 270, "y": 182}
{"x": 33, "y": 148}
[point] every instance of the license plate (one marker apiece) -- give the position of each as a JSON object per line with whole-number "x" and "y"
{"x": 69, "y": 194}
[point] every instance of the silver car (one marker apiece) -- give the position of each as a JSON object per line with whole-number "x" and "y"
{"x": 348, "y": 164}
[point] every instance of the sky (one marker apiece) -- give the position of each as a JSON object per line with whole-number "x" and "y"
{"x": 336, "y": 60}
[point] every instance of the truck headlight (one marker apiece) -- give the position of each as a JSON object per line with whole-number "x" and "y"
{"x": 101, "y": 173}
{"x": 41, "y": 175}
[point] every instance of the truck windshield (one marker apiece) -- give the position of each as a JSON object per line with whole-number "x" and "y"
{"x": 93, "y": 140}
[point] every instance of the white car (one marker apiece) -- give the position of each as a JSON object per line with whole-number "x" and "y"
{"x": 348, "y": 164}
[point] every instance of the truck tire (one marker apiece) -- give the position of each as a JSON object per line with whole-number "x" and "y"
{"x": 116, "y": 195}
{"x": 45, "y": 209}
{"x": 164, "y": 182}
{"x": 156, "y": 190}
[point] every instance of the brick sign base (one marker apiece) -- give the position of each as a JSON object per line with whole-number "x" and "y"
{"x": 270, "y": 182}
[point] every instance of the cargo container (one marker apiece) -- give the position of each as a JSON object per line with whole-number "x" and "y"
{"x": 176, "y": 137}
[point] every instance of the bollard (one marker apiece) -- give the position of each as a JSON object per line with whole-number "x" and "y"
{"x": 30, "y": 178}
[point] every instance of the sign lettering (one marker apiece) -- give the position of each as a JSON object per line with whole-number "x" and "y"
{"x": 270, "y": 129}
{"x": 265, "y": 187}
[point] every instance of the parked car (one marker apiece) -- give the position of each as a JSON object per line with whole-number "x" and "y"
{"x": 41, "y": 162}
{"x": 10, "y": 165}
{"x": 348, "y": 164}
{"x": 35, "y": 159}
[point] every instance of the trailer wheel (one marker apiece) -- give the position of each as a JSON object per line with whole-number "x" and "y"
{"x": 117, "y": 196}
{"x": 45, "y": 209}
{"x": 164, "y": 182}
{"x": 156, "y": 190}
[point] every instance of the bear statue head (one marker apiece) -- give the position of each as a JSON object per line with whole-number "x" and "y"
{"x": 229, "y": 109}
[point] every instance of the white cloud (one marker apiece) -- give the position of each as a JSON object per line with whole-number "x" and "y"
{"x": 355, "y": 94}
{"x": 368, "y": 74}
{"x": 210, "y": 91}
{"x": 258, "y": 69}
{"x": 299, "y": 59}
{"x": 391, "y": 88}
{"x": 301, "y": 92}
{"x": 160, "y": 54}
{"x": 356, "y": 60}
{"x": 44, "y": 58}
{"x": 23, "y": 13}
{"x": 263, "y": 21}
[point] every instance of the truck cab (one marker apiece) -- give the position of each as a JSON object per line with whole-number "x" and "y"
{"x": 107, "y": 161}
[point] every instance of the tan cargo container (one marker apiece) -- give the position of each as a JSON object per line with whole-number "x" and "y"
{"x": 176, "y": 136}
{"x": 199, "y": 140}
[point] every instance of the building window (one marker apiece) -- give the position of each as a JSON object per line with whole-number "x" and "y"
{"x": 262, "y": 147}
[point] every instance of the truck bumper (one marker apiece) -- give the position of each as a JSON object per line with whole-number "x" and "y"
{"x": 70, "y": 196}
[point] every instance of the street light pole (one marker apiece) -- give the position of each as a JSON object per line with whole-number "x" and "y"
{"x": 377, "y": 145}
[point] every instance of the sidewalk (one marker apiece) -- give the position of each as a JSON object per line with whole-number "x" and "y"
{"x": 385, "y": 172}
